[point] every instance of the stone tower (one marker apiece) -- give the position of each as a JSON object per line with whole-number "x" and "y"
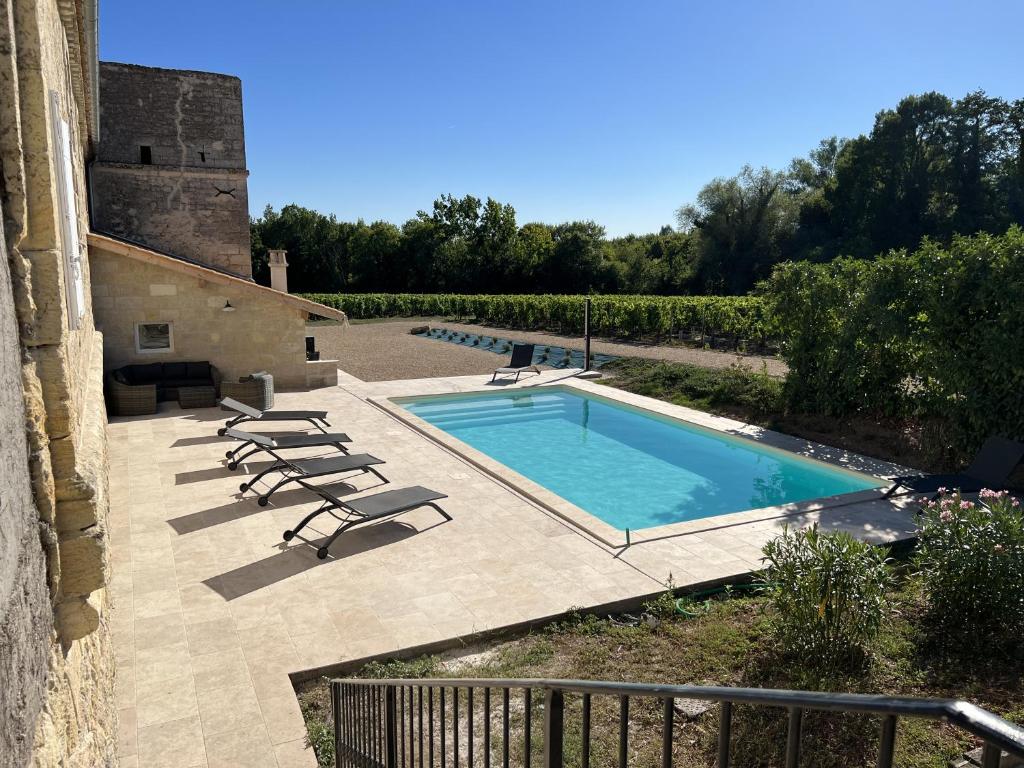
{"x": 170, "y": 167}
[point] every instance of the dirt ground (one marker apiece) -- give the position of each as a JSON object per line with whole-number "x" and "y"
{"x": 385, "y": 350}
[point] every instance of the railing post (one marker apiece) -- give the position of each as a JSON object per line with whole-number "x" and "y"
{"x": 724, "y": 734}
{"x": 527, "y": 728}
{"x": 623, "y": 731}
{"x": 554, "y": 723}
{"x": 887, "y": 744}
{"x": 990, "y": 755}
{"x": 585, "y": 736}
{"x": 793, "y": 737}
{"x": 390, "y": 727}
{"x": 336, "y": 711}
{"x": 668, "y": 711}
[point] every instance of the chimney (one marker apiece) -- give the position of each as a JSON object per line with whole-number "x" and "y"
{"x": 279, "y": 271}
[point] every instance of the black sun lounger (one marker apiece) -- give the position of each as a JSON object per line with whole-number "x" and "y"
{"x": 991, "y": 468}
{"x": 272, "y": 444}
{"x": 247, "y": 413}
{"x": 367, "y": 509}
{"x": 296, "y": 470}
{"x": 522, "y": 361}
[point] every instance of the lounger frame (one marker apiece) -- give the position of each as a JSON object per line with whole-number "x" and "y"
{"x": 520, "y": 353}
{"x": 330, "y": 501}
{"x": 246, "y": 413}
{"x": 291, "y": 472}
{"x": 995, "y": 461}
{"x": 266, "y": 444}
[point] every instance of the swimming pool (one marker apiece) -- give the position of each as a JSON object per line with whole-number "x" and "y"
{"x": 632, "y": 469}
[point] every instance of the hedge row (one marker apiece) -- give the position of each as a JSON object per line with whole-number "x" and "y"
{"x": 740, "y": 317}
{"x": 936, "y": 336}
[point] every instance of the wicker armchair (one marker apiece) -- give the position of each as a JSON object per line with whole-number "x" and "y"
{"x": 131, "y": 399}
{"x": 256, "y": 391}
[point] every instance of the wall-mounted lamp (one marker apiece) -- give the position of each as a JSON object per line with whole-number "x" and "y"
{"x": 228, "y": 307}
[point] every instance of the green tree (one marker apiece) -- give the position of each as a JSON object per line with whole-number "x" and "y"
{"x": 497, "y": 243}
{"x": 744, "y": 225}
{"x": 535, "y": 246}
{"x": 932, "y": 167}
{"x": 575, "y": 262}
{"x": 375, "y": 257}
{"x": 317, "y": 255}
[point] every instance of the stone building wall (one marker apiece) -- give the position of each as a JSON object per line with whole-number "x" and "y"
{"x": 45, "y": 50}
{"x": 262, "y": 333}
{"x": 26, "y": 617}
{"x": 177, "y": 211}
{"x": 192, "y": 199}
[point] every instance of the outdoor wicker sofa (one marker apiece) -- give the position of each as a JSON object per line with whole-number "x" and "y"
{"x": 134, "y": 390}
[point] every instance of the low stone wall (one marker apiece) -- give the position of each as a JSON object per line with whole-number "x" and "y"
{"x": 261, "y": 334}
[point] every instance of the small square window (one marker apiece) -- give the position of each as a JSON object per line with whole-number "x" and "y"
{"x": 153, "y": 338}
{"x": 145, "y": 154}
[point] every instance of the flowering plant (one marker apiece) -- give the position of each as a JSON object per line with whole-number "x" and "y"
{"x": 828, "y": 591}
{"x": 971, "y": 558}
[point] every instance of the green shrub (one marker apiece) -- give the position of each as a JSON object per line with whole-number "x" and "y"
{"x": 422, "y": 666}
{"x": 828, "y": 591}
{"x": 936, "y": 336}
{"x": 320, "y": 737}
{"x": 971, "y": 561}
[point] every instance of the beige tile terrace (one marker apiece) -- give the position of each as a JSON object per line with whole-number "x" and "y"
{"x": 213, "y": 609}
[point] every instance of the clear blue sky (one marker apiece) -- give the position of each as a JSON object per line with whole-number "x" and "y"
{"x": 612, "y": 111}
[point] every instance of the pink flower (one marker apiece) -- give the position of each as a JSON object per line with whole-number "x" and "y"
{"x": 1016, "y": 502}
{"x": 943, "y": 489}
{"x": 966, "y": 504}
{"x": 946, "y": 516}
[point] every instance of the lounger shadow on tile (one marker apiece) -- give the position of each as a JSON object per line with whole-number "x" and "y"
{"x": 202, "y": 475}
{"x": 185, "y": 442}
{"x": 207, "y": 518}
{"x": 300, "y": 557}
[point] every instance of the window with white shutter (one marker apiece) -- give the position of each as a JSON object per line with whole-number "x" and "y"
{"x": 74, "y": 284}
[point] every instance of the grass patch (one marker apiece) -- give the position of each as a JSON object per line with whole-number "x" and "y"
{"x": 730, "y": 643}
{"x": 757, "y": 398}
{"x": 733, "y": 391}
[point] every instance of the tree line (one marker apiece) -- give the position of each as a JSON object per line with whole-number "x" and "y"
{"x": 930, "y": 168}
{"x": 466, "y": 245}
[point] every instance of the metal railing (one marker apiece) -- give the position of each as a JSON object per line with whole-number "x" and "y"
{"x": 417, "y": 723}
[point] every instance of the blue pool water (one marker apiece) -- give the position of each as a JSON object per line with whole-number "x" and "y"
{"x": 630, "y": 468}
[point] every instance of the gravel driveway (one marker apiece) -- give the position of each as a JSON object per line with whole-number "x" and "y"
{"x": 386, "y": 351}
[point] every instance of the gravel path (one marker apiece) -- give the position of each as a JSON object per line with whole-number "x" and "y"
{"x": 386, "y": 351}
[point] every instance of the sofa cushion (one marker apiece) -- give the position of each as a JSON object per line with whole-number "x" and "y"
{"x": 150, "y": 373}
{"x": 186, "y": 382}
{"x": 120, "y": 377}
{"x": 175, "y": 370}
{"x": 199, "y": 371}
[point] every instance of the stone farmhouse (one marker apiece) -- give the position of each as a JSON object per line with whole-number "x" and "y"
{"x": 123, "y": 198}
